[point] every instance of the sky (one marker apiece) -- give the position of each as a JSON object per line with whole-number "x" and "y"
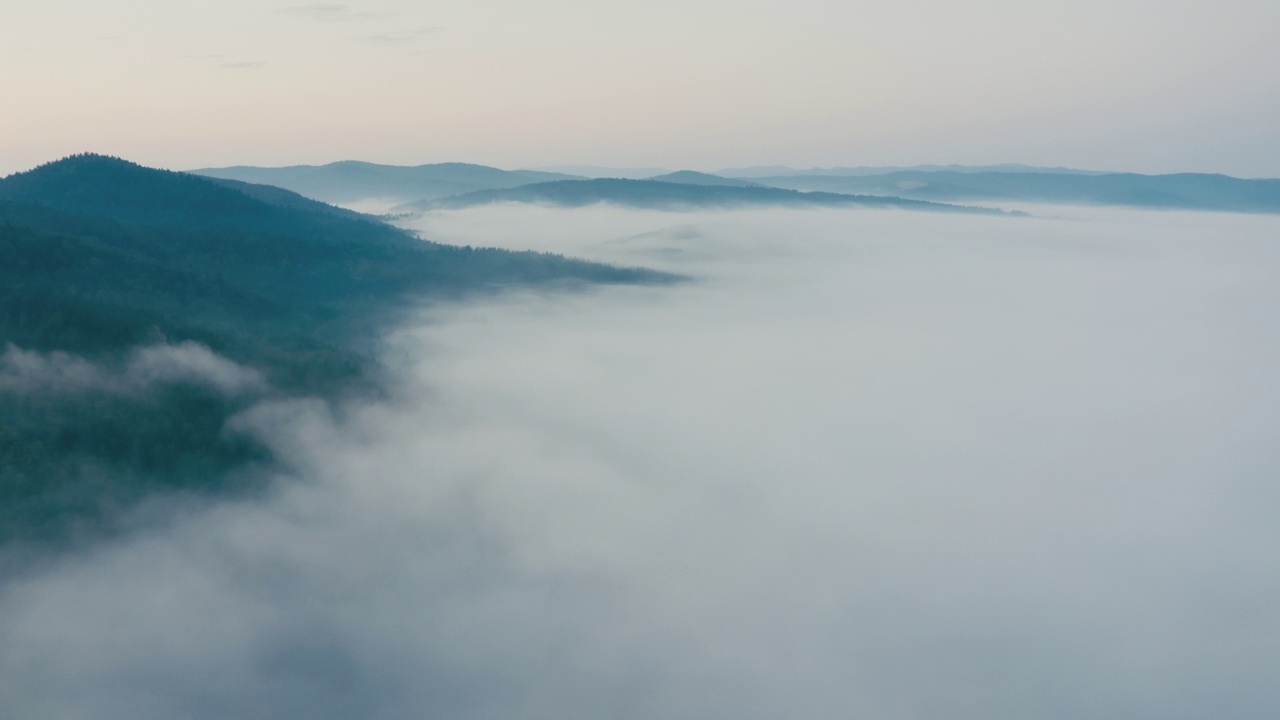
{"x": 872, "y": 464}
{"x": 1135, "y": 85}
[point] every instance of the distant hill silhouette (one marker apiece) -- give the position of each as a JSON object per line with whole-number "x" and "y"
{"x": 349, "y": 181}
{"x": 99, "y": 257}
{"x": 689, "y": 177}
{"x": 776, "y": 171}
{"x": 672, "y": 195}
{"x": 419, "y": 186}
{"x": 1188, "y": 191}
{"x": 603, "y": 171}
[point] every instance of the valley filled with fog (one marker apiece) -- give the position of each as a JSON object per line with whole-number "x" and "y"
{"x": 863, "y": 463}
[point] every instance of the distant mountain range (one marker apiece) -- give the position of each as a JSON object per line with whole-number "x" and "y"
{"x": 689, "y": 177}
{"x": 644, "y": 173}
{"x": 767, "y": 171}
{"x": 690, "y": 192}
{"x": 122, "y": 286}
{"x": 604, "y": 171}
{"x": 1188, "y": 191}
{"x": 350, "y": 181}
{"x": 459, "y": 185}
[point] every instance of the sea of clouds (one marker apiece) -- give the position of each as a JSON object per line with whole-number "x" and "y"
{"x": 865, "y": 463}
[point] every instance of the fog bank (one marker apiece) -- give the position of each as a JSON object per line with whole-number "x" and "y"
{"x": 870, "y": 464}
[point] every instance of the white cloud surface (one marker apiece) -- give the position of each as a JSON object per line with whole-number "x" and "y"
{"x": 871, "y": 464}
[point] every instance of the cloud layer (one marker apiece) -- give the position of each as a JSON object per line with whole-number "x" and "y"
{"x": 873, "y": 464}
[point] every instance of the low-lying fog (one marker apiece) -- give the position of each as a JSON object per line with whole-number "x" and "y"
{"x": 870, "y": 464}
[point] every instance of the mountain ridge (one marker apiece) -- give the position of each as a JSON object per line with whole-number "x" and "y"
{"x": 668, "y": 195}
{"x": 1189, "y": 191}
{"x": 760, "y": 171}
{"x": 692, "y": 177}
{"x": 352, "y": 180}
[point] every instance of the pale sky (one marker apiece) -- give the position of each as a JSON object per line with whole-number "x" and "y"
{"x": 1138, "y": 85}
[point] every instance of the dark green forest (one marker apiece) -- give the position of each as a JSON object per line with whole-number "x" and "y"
{"x": 99, "y": 257}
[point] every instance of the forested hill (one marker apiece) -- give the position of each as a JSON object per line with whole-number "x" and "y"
{"x": 129, "y": 296}
{"x": 673, "y": 195}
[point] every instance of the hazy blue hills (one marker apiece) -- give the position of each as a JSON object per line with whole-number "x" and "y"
{"x": 604, "y": 171}
{"x": 1190, "y": 191}
{"x": 689, "y": 177}
{"x": 140, "y": 309}
{"x": 447, "y": 185}
{"x": 776, "y": 171}
{"x": 672, "y": 195}
{"x": 349, "y": 181}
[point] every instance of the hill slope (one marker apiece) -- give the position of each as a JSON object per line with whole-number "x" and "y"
{"x": 140, "y": 309}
